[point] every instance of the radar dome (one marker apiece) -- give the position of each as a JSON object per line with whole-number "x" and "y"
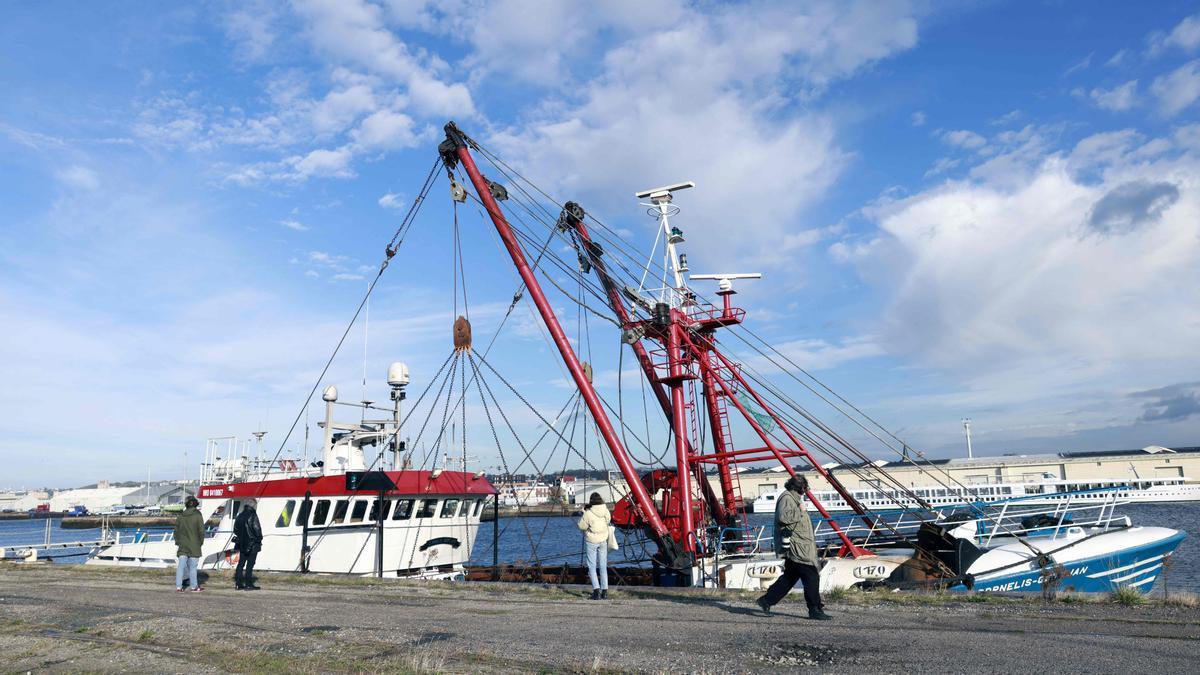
{"x": 330, "y": 394}
{"x": 398, "y": 375}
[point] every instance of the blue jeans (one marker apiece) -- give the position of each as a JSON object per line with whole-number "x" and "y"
{"x": 186, "y": 565}
{"x": 597, "y": 559}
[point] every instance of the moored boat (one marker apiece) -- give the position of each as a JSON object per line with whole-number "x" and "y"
{"x": 339, "y": 515}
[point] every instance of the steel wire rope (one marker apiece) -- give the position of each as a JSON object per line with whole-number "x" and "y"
{"x": 587, "y": 464}
{"x": 479, "y": 384}
{"x": 574, "y": 398}
{"x": 521, "y": 234}
{"x": 887, "y": 476}
{"x": 652, "y": 257}
{"x": 499, "y": 163}
{"x": 654, "y": 461}
{"x": 532, "y": 409}
{"x": 795, "y": 405}
{"x": 392, "y": 247}
{"x": 415, "y": 407}
{"x": 329, "y": 527}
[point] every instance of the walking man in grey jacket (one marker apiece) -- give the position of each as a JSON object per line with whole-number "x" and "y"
{"x": 794, "y": 539}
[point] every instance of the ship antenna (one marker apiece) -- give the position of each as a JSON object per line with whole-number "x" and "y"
{"x": 366, "y": 325}
{"x": 674, "y": 263}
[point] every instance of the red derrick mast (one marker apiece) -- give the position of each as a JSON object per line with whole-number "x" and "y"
{"x": 676, "y": 348}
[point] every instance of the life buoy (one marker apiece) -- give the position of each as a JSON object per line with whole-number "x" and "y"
{"x": 232, "y": 557}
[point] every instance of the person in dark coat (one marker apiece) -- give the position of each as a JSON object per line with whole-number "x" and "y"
{"x": 794, "y": 540}
{"x": 189, "y": 539}
{"x": 247, "y": 532}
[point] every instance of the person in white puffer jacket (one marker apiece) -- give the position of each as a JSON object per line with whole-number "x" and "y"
{"x": 595, "y": 523}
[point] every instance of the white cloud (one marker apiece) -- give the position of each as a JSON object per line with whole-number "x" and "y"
{"x": 1007, "y": 118}
{"x": 1038, "y": 286}
{"x": 353, "y": 31}
{"x": 79, "y": 177}
{"x": 341, "y": 107}
{"x": 942, "y": 165}
{"x": 294, "y": 225}
{"x": 385, "y": 130}
{"x": 816, "y": 354}
{"x": 1184, "y": 36}
{"x": 252, "y": 27}
{"x": 1118, "y": 59}
{"x": 729, "y": 120}
{"x": 328, "y": 163}
{"x": 918, "y": 119}
{"x": 1122, "y": 97}
{"x": 1178, "y": 89}
{"x": 965, "y": 139}
{"x": 392, "y": 201}
{"x": 1082, "y": 64}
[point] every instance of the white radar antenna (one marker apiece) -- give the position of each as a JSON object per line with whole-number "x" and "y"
{"x": 725, "y": 285}
{"x": 673, "y": 262}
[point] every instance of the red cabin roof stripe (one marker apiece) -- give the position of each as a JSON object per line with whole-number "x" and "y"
{"x": 415, "y": 483}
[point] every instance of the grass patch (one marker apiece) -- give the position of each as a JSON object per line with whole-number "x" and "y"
{"x": 1127, "y": 597}
{"x": 82, "y": 629}
{"x": 145, "y": 636}
{"x": 1182, "y": 599}
{"x": 837, "y": 594}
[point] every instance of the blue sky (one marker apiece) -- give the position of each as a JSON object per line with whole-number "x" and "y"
{"x": 981, "y": 209}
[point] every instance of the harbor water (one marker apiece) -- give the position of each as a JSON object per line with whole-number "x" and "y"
{"x": 555, "y": 540}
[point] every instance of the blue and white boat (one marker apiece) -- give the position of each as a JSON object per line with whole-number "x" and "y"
{"x": 1008, "y": 546}
{"x": 1018, "y": 546}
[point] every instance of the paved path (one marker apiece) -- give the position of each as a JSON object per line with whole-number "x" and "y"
{"x": 109, "y": 620}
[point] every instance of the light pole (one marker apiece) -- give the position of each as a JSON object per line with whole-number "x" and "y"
{"x": 967, "y": 426}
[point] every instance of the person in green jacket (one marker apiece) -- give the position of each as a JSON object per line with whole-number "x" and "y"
{"x": 794, "y": 540}
{"x": 189, "y": 537}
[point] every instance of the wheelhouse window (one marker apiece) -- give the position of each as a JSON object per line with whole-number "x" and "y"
{"x": 428, "y": 508}
{"x": 478, "y": 507}
{"x": 339, "y": 511}
{"x": 305, "y": 507}
{"x": 237, "y": 506}
{"x": 360, "y": 510}
{"x": 403, "y": 510}
{"x": 321, "y": 512}
{"x": 285, "y": 516}
{"x": 387, "y": 504}
{"x": 449, "y": 508}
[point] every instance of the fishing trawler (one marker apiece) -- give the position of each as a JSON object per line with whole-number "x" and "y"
{"x": 718, "y": 410}
{"x": 710, "y": 401}
{"x": 338, "y": 515}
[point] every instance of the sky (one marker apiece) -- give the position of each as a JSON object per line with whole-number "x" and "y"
{"x": 961, "y": 209}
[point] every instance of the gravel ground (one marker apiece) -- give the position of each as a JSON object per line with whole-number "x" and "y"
{"x": 63, "y": 618}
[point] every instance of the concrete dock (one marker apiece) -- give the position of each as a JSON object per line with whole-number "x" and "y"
{"x": 61, "y": 618}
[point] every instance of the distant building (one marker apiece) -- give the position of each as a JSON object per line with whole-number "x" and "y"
{"x": 92, "y": 499}
{"x": 8, "y": 501}
{"x": 162, "y": 494}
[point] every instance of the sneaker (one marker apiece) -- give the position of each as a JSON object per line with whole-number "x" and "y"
{"x": 197, "y": 589}
{"x": 178, "y": 590}
{"x": 595, "y": 594}
{"x": 251, "y": 587}
{"x": 603, "y": 593}
{"x": 762, "y": 604}
{"x": 819, "y": 615}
